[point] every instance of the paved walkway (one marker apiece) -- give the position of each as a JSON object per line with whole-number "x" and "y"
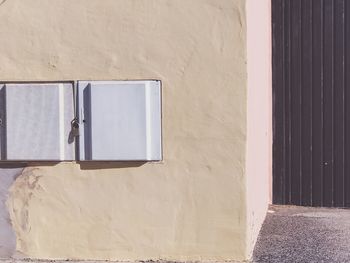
{"x": 294, "y": 234}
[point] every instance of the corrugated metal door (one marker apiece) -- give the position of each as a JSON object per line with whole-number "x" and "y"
{"x": 311, "y": 100}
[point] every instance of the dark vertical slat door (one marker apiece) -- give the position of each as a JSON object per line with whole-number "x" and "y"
{"x": 295, "y": 107}
{"x": 306, "y": 102}
{"x": 346, "y": 105}
{"x": 317, "y": 105}
{"x": 328, "y": 98}
{"x": 311, "y": 102}
{"x": 339, "y": 104}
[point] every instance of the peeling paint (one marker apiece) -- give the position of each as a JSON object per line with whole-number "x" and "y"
{"x": 7, "y": 236}
{"x": 21, "y": 192}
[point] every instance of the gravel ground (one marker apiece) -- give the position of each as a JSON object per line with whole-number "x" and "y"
{"x": 299, "y": 234}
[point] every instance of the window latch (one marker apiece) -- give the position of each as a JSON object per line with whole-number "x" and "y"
{"x": 74, "y": 128}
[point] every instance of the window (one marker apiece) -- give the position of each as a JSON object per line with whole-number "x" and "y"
{"x": 118, "y": 121}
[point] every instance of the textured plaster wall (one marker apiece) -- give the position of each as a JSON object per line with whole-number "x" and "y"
{"x": 192, "y": 205}
{"x": 259, "y": 133}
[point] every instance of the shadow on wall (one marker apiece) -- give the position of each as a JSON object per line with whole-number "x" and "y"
{"x": 8, "y": 174}
{"x": 108, "y": 165}
{"x": 88, "y": 165}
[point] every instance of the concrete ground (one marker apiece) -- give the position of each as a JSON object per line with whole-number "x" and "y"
{"x": 299, "y": 234}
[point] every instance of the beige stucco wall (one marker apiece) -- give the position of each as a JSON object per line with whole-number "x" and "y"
{"x": 191, "y": 206}
{"x": 259, "y": 116}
